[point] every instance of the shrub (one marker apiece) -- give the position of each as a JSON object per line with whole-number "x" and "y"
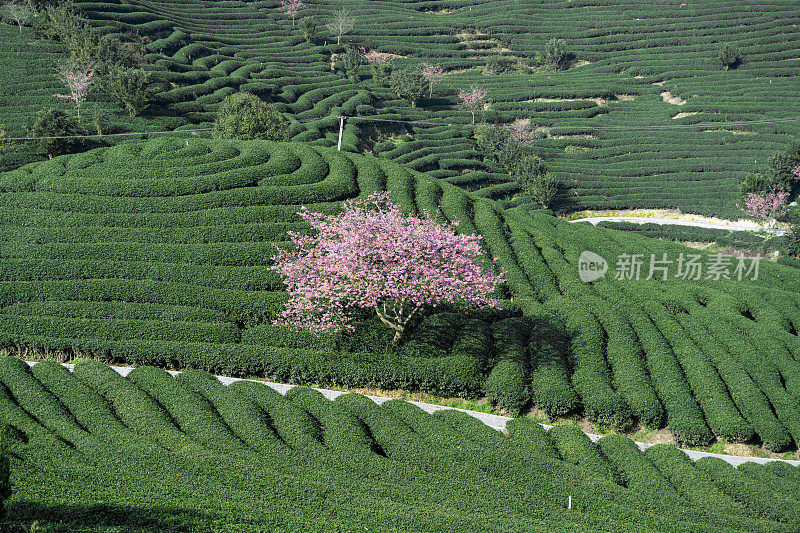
{"x": 62, "y": 22}
{"x": 353, "y": 59}
{"x": 690, "y": 482}
{"x": 730, "y": 56}
{"x": 530, "y": 173}
{"x": 576, "y": 448}
{"x": 409, "y": 84}
{"x": 131, "y": 88}
{"x": 637, "y": 473}
{"x": 308, "y": 27}
{"x": 245, "y": 116}
{"x": 496, "y": 65}
{"x": 51, "y": 122}
{"x": 555, "y": 54}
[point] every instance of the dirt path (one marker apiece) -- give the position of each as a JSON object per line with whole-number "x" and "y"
{"x": 740, "y": 226}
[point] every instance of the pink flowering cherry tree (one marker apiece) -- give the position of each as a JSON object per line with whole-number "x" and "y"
{"x": 77, "y": 79}
{"x": 292, "y": 7}
{"x": 380, "y": 63}
{"x": 766, "y": 206}
{"x": 523, "y": 133}
{"x": 373, "y": 256}
{"x": 433, "y": 75}
{"x": 473, "y": 100}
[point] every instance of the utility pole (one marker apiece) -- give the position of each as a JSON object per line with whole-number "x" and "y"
{"x": 341, "y": 127}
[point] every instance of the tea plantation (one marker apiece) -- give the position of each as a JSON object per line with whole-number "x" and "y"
{"x": 93, "y": 451}
{"x": 650, "y": 65}
{"x": 157, "y": 252}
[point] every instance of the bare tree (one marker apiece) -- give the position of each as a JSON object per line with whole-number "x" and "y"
{"x": 19, "y": 12}
{"x": 341, "y": 24}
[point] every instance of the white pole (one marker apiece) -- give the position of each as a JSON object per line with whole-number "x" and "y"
{"x": 569, "y": 502}
{"x": 341, "y": 127}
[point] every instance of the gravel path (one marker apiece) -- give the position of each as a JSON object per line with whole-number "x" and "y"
{"x": 493, "y": 421}
{"x": 680, "y": 222}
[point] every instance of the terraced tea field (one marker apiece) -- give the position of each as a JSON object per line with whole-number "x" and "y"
{"x": 626, "y": 125}
{"x": 157, "y": 252}
{"x": 93, "y": 451}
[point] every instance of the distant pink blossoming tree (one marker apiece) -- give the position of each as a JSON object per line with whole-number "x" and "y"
{"x": 373, "y": 56}
{"x": 473, "y": 100}
{"x": 796, "y": 172}
{"x": 766, "y": 206}
{"x": 292, "y": 7}
{"x": 372, "y": 256}
{"x": 381, "y": 64}
{"x": 77, "y": 78}
{"x": 433, "y": 75}
{"x": 523, "y": 133}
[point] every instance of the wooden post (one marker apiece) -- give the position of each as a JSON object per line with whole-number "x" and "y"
{"x": 341, "y": 127}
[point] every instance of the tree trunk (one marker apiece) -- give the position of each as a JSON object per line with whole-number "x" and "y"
{"x": 398, "y": 336}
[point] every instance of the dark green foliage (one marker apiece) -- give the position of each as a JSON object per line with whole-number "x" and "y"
{"x": 555, "y": 54}
{"x": 199, "y": 455}
{"x": 51, "y": 122}
{"x": 576, "y": 448}
{"x": 408, "y": 84}
{"x": 496, "y": 65}
{"x": 692, "y": 484}
{"x": 548, "y": 348}
{"x": 532, "y": 436}
{"x": 353, "y": 60}
{"x": 308, "y": 27}
{"x": 637, "y": 473}
{"x": 63, "y": 22}
{"x": 530, "y": 173}
{"x": 244, "y": 116}
{"x": 131, "y": 88}
{"x": 757, "y": 497}
{"x": 5, "y": 469}
{"x": 730, "y": 56}
{"x": 113, "y": 51}
{"x": 507, "y": 385}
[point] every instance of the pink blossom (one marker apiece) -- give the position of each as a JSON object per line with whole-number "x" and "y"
{"x": 292, "y": 7}
{"x": 433, "y": 74}
{"x": 523, "y": 133}
{"x": 473, "y": 99}
{"x": 796, "y": 172}
{"x": 77, "y": 78}
{"x": 766, "y": 206}
{"x": 371, "y": 255}
{"x": 375, "y": 57}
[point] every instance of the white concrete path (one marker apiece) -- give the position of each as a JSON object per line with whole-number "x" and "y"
{"x": 733, "y": 226}
{"x": 493, "y": 421}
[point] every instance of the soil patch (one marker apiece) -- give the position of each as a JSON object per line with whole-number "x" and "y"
{"x": 674, "y": 100}
{"x": 688, "y": 114}
{"x": 735, "y": 132}
{"x": 598, "y": 101}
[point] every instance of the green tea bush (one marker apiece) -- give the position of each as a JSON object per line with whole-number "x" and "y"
{"x": 576, "y": 448}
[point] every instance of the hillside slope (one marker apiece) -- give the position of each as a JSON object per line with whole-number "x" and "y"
{"x": 157, "y": 252}
{"x": 93, "y": 451}
{"x": 635, "y": 65}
